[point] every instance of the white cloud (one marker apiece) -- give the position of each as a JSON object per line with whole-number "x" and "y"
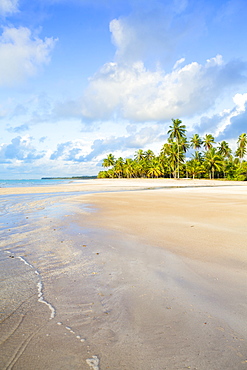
{"x": 20, "y": 149}
{"x": 81, "y": 151}
{"x": 21, "y": 54}
{"x": 125, "y": 38}
{"x": 216, "y": 61}
{"x": 227, "y": 124}
{"x": 235, "y": 121}
{"x": 178, "y": 63}
{"x": 140, "y": 35}
{"x": 240, "y": 101}
{"x": 139, "y": 94}
{"x": 8, "y": 7}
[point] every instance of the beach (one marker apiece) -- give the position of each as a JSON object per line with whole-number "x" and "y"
{"x": 124, "y": 274}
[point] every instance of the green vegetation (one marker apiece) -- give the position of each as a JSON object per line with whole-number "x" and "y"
{"x": 209, "y": 159}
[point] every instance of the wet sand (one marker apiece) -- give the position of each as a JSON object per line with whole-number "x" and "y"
{"x": 143, "y": 279}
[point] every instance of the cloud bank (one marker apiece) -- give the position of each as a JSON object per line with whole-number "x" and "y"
{"x": 139, "y": 94}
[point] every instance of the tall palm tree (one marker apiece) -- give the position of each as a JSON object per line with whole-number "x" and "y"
{"x": 240, "y": 153}
{"x": 196, "y": 141}
{"x": 184, "y": 144}
{"x": 183, "y": 147}
{"x": 224, "y": 149}
{"x": 208, "y": 141}
{"x": 177, "y": 131}
{"x": 118, "y": 167}
{"x": 170, "y": 151}
{"x": 128, "y": 167}
{"x": 109, "y": 161}
{"x": 164, "y": 155}
{"x": 213, "y": 161}
{"x": 242, "y": 145}
{"x": 149, "y": 154}
{"x": 139, "y": 155}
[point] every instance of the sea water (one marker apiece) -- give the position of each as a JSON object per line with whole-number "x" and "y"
{"x": 32, "y": 182}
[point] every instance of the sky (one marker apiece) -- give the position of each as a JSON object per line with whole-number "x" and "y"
{"x": 80, "y": 79}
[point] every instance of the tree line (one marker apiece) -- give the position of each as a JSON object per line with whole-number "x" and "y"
{"x": 209, "y": 159}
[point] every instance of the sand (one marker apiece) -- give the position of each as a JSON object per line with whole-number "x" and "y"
{"x": 152, "y": 277}
{"x": 116, "y": 185}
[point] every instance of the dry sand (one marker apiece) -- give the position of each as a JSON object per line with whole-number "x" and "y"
{"x": 150, "y": 278}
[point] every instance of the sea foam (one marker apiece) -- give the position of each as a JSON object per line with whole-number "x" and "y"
{"x": 40, "y": 288}
{"x": 93, "y": 362}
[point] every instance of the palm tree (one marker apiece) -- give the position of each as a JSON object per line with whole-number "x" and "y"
{"x": 194, "y": 168}
{"x": 184, "y": 144}
{"x": 111, "y": 173}
{"x": 128, "y": 167}
{"x": 154, "y": 168}
{"x": 242, "y": 144}
{"x": 139, "y": 168}
{"x": 118, "y": 167}
{"x": 197, "y": 156}
{"x": 103, "y": 175}
{"x": 196, "y": 141}
{"x": 208, "y": 141}
{"x": 109, "y": 161}
{"x": 173, "y": 153}
{"x": 240, "y": 153}
{"x": 170, "y": 151}
{"x": 213, "y": 161}
{"x": 139, "y": 155}
{"x": 149, "y": 154}
{"x": 163, "y": 160}
{"x": 177, "y": 131}
{"x": 224, "y": 149}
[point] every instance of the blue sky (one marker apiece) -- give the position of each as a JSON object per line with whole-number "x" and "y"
{"x": 83, "y": 78}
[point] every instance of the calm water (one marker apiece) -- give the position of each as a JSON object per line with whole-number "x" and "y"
{"x": 32, "y": 182}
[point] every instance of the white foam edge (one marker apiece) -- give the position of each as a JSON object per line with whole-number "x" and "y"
{"x": 93, "y": 362}
{"x": 40, "y": 289}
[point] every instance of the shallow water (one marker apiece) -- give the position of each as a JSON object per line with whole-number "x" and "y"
{"x": 33, "y": 182}
{"x": 77, "y": 297}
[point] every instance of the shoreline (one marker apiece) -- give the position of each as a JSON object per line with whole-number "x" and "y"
{"x": 117, "y": 185}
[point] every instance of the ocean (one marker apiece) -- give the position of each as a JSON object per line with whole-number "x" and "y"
{"x": 33, "y": 182}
